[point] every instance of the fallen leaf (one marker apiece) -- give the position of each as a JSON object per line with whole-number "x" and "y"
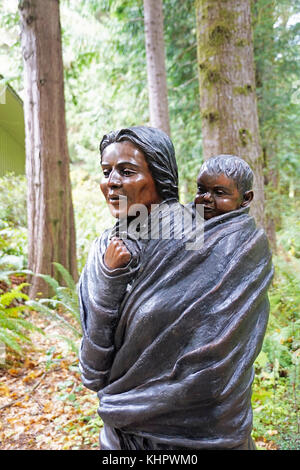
{"x": 29, "y": 364}
{"x": 48, "y": 407}
{"x": 14, "y": 372}
{"x": 4, "y": 390}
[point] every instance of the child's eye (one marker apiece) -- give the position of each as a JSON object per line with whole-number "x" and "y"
{"x": 106, "y": 173}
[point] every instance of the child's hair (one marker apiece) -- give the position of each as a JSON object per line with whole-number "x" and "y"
{"x": 233, "y": 167}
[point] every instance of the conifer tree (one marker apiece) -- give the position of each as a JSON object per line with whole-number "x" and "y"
{"x": 51, "y": 227}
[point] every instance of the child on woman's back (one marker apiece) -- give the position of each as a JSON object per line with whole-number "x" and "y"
{"x": 224, "y": 185}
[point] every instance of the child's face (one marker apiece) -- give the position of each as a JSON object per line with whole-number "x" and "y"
{"x": 218, "y": 194}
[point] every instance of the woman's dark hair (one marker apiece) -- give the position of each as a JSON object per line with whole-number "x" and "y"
{"x": 159, "y": 153}
{"x": 233, "y": 167}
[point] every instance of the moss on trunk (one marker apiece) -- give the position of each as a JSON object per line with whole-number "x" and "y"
{"x": 227, "y": 86}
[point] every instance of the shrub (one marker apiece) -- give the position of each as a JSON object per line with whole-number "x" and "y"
{"x": 276, "y": 381}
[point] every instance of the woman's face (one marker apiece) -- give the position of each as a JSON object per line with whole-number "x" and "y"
{"x": 126, "y": 174}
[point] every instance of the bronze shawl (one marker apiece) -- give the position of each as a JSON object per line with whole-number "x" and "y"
{"x": 169, "y": 342}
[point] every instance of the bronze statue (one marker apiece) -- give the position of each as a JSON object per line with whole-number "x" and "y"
{"x": 224, "y": 185}
{"x": 170, "y": 335}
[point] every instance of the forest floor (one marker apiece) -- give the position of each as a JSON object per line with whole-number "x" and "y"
{"x": 43, "y": 404}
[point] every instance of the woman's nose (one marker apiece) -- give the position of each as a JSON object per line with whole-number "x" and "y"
{"x": 114, "y": 179}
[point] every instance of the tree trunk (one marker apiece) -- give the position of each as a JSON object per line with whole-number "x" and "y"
{"x": 50, "y": 209}
{"x": 272, "y": 220}
{"x": 227, "y": 87}
{"x": 264, "y": 44}
{"x": 156, "y": 69}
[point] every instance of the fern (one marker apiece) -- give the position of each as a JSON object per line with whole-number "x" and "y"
{"x": 13, "y": 327}
{"x": 66, "y": 276}
{"x": 63, "y": 307}
{"x": 39, "y": 306}
{"x": 8, "y": 297}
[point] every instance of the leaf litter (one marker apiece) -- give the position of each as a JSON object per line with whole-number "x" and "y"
{"x": 43, "y": 404}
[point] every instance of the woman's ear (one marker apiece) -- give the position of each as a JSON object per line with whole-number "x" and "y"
{"x": 247, "y": 198}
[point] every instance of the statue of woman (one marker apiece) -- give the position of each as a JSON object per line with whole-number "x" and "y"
{"x": 170, "y": 335}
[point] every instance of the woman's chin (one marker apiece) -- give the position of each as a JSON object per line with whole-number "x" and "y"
{"x": 117, "y": 214}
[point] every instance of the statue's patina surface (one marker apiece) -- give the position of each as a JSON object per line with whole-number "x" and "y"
{"x": 170, "y": 335}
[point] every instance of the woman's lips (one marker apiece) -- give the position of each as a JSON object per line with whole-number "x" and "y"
{"x": 115, "y": 198}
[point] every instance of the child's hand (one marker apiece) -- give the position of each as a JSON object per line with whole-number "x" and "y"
{"x": 116, "y": 255}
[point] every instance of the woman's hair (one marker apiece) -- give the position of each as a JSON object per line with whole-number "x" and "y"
{"x": 231, "y": 166}
{"x": 159, "y": 153}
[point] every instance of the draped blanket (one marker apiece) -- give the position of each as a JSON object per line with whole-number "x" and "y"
{"x": 169, "y": 341}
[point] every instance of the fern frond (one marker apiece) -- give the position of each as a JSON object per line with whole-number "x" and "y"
{"x": 15, "y": 294}
{"x": 65, "y": 275}
{"x": 73, "y": 346}
{"x": 9, "y": 340}
{"x": 40, "y": 307}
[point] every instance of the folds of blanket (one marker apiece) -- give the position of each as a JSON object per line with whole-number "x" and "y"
{"x": 169, "y": 344}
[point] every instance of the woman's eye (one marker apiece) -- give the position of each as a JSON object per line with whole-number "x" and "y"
{"x": 106, "y": 173}
{"x": 127, "y": 172}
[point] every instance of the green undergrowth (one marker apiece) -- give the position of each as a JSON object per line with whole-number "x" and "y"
{"x": 276, "y": 385}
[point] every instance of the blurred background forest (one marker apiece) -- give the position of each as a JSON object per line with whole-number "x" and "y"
{"x": 105, "y": 83}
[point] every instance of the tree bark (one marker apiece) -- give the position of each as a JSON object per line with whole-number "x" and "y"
{"x": 51, "y": 225}
{"x": 227, "y": 87}
{"x": 264, "y": 74}
{"x": 156, "y": 69}
{"x": 272, "y": 220}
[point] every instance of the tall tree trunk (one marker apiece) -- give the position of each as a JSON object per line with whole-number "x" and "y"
{"x": 50, "y": 209}
{"x": 264, "y": 19}
{"x": 227, "y": 87}
{"x": 156, "y": 69}
{"x": 272, "y": 220}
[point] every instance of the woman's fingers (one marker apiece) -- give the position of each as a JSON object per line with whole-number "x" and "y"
{"x": 116, "y": 255}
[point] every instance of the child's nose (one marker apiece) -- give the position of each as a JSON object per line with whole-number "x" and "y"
{"x": 207, "y": 196}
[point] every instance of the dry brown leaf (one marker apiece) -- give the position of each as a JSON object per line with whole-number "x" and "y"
{"x": 48, "y": 407}
{"x": 29, "y": 364}
{"x": 14, "y": 372}
{"x": 4, "y": 390}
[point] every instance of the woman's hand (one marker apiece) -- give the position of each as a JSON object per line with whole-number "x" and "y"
{"x": 116, "y": 255}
